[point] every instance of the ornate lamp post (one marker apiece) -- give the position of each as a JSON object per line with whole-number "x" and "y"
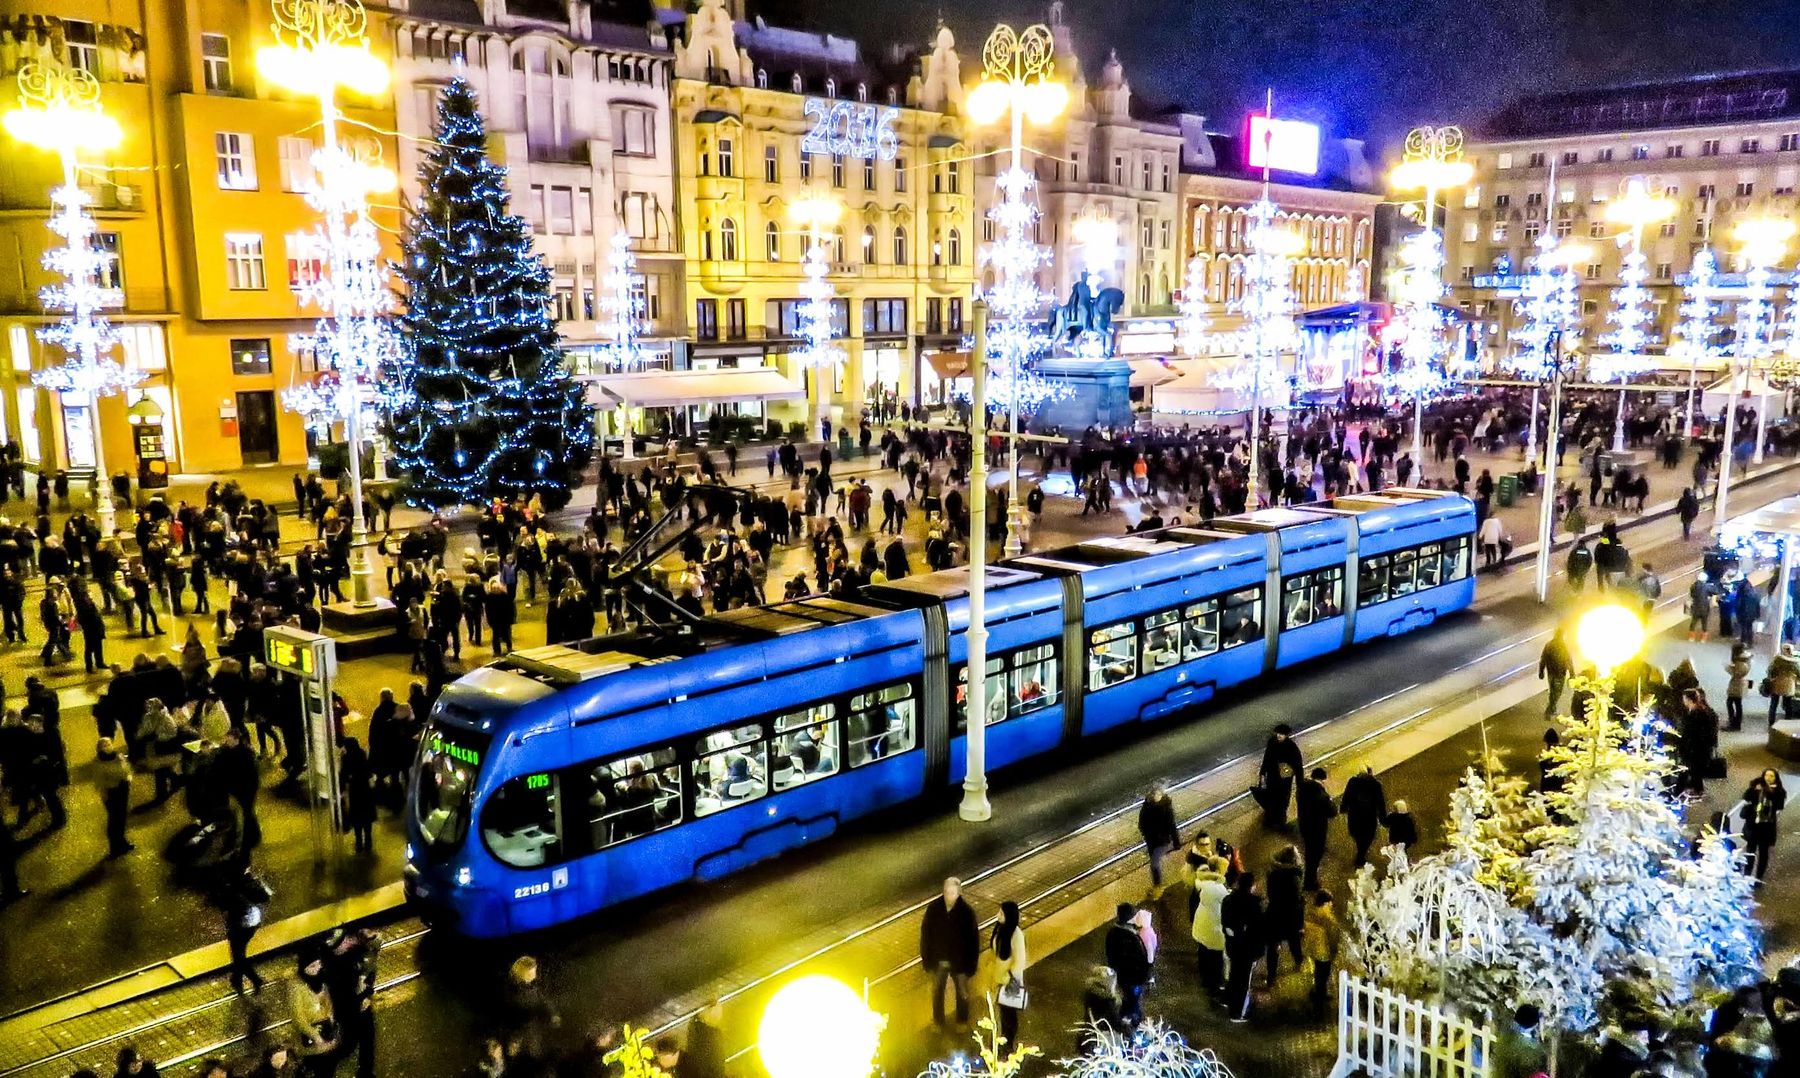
{"x": 323, "y": 47}
{"x": 1762, "y": 241}
{"x": 818, "y": 215}
{"x": 1433, "y": 163}
{"x": 1017, "y": 81}
{"x": 60, "y": 112}
{"x": 1635, "y": 209}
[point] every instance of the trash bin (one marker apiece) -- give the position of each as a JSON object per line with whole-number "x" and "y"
{"x": 1507, "y": 490}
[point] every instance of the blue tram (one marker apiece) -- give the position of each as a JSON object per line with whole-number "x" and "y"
{"x": 561, "y": 780}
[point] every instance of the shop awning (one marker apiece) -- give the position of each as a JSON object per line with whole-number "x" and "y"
{"x": 1151, "y": 371}
{"x": 949, "y": 365}
{"x": 663, "y": 389}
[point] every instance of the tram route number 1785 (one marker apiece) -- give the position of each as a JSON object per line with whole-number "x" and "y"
{"x": 844, "y": 129}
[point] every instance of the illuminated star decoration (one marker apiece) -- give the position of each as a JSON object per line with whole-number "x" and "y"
{"x": 1547, "y": 301}
{"x": 1630, "y": 314}
{"x": 624, "y": 309}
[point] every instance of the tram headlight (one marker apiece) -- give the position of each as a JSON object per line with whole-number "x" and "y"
{"x": 464, "y": 877}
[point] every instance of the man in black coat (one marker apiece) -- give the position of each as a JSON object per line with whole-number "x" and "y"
{"x": 1281, "y": 765}
{"x": 950, "y": 948}
{"x": 1129, "y": 961}
{"x": 1241, "y": 915}
{"x": 1364, "y": 804}
{"x": 1315, "y": 808}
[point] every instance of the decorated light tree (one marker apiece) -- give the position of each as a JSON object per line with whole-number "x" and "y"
{"x": 1548, "y": 304}
{"x": 486, "y": 408}
{"x": 818, "y": 217}
{"x": 1698, "y": 327}
{"x": 1194, "y": 318}
{"x": 1630, "y": 316}
{"x": 1267, "y": 309}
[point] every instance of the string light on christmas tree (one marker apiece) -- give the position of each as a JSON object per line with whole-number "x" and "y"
{"x": 60, "y": 111}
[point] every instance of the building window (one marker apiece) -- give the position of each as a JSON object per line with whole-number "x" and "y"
{"x": 562, "y": 211}
{"x": 305, "y": 262}
{"x": 1668, "y": 229}
{"x": 956, "y": 315}
{"x": 837, "y": 170}
{"x": 215, "y": 60}
{"x": 296, "y": 163}
{"x": 1164, "y": 231}
{"x": 1597, "y": 230}
{"x": 1167, "y": 178}
{"x": 110, "y": 273}
{"x": 1534, "y": 198}
{"x": 1750, "y": 145}
{"x": 1118, "y": 171}
{"x": 1706, "y": 193}
{"x": 250, "y": 355}
{"x": 236, "y": 161}
{"x": 1605, "y": 154}
{"x": 771, "y": 165}
{"x": 1502, "y": 201}
{"x": 1593, "y": 271}
{"x": 638, "y": 214}
{"x": 1075, "y": 167}
{"x": 634, "y": 131}
{"x": 706, "y": 245}
{"x": 1641, "y": 152}
{"x": 1571, "y": 157}
{"x": 244, "y": 262}
{"x": 862, "y": 91}
{"x": 955, "y": 247}
{"x": 1536, "y": 160}
{"x": 934, "y": 314}
{"x": 772, "y": 242}
{"x": 1709, "y": 147}
{"x": 899, "y": 245}
{"x": 868, "y": 244}
{"x": 1664, "y": 271}
{"x": 806, "y": 166}
{"x": 1674, "y": 150}
{"x": 706, "y": 319}
{"x": 762, "y": 78}
{"x": 737, "y": 325}
{"x": 1504, "y": 161}
{"x": 1745, "y": 190}
{"x": 830, "y": 87}
{"x": 1790, "y": 142}
{"x": 728, "y": 240}
{"x": 899, "y": 175}
{"x": 727, "y": 158}
{"x": 1147, "y": 175}
{"x": 1500, "y": 229}
{"x": 83, "y": 46}
{"x": 884, "y": 316}
{"x": 869, "y": 175}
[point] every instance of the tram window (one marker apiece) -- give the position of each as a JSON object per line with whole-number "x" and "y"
{"x": 882, "y": 723}
{"x": 1200, "y": 630}
{"x": 1238, "y": 621}
{"x": 1456, "y": 558}
{"x": 1036, "y": 683}
{"x": 1401, "y": 574}
{"x": 519, "y": 821}
{"x": 730, "y": 769}
{"x": 1372, "y": 580}
{"x": 632, "y": 795}
{"x": 1311, "y": 597}
{"x": 1112, "y": 655}
{"x": 995, "y": 690}
{"x": 1162, "y": 641}
{"x": 806, "y": 745}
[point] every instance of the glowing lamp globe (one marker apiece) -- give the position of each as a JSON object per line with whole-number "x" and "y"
{"x": 1045, "y": 101}
{"x": 60, "y": 126}
{"x": 988, "y": 101}
{"x": 1608, "y": 635}
{"x": 1763, "y": 239}
{"x": 817, "y": 1027}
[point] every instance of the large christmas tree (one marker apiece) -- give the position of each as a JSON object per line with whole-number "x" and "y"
{"x": 485, "y": 408}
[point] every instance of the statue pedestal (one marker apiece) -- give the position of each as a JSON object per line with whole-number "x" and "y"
{"x": 1101, "y": 397}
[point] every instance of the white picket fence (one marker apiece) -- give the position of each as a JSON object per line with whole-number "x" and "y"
{"x": 1384, "y": 1034}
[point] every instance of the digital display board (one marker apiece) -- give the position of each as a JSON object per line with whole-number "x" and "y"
{"x": 1282, "y": 145}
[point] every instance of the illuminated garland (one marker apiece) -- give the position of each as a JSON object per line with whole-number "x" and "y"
{"x": 1015, "y": 339}
{"x": 83, "y": 334}
{"x": 1697, "y": 328}
{"x": 1419, "y": 326}
{"x": 624, "y": 310}
{"x": 1629, "y": 316}
{"x": 485, "y": 407}
{"x": 1194, "y": 319}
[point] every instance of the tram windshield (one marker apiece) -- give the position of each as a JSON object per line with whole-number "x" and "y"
{"x": 449, "y": 759}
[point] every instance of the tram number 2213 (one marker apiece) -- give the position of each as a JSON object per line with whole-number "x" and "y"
{"x": 842, "y": 129}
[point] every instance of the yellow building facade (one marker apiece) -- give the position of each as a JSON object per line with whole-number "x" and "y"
{"x": 765, "y": 119}
{"x": 202, "y": 213}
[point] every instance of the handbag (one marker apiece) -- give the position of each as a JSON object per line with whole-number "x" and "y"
{"x": 1013, "y": 994}
{"x": 1715, "y": 767}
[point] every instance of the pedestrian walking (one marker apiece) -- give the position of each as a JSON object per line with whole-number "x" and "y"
{"x": 359, "y": 795}
{"x": 309, "y": 1005}
{"x": 1008, "y": 945}
{"x": 1581, "y": 559}
{"x": 1761, "y": 815}
{"x": 1162, "y": 836}
{"x": 1281, "y": 764}
{"x": 1699, "y": 606}
{"x": 1779, "y": 681}
{"x": 1553, "y": 668}
{"x": 1364, "y": 804}
{"x": 243, "y": 901}
{"x": 528, "y": 1010}
{"x": 1129, "y": 960}
{"x": 1286, "y": 911}
{"x": 950, "y": 949}
{"x": 1314, "y": 807}
{"x": 1209, "y": 924}
{"x": 1737, "y": 668}
{"x": 350, "y": 972}
{"x": 1687, "y": 507}
{"x": 1697, "y": 740}
{"x": 112, "y": 778}
{"x": 1319, "y": 941}
{"x": 1242, "y": 916}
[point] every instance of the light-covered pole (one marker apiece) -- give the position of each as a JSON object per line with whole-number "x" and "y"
{"x": 817, "y": 215}
{"x": 1696, "y": 328}
{"x": 1017, "y": 82}
{"x": 1433, "y": 162}
{"x": 1636, "y": 209}
{"x": 975, "y": 806}
{"x": 60, "y": 112}
{"x": 625, "y": 318}
{"x": 323, "y": 47}
{"x": 1762, "y": 241}
{"x": 1550, "y": 317}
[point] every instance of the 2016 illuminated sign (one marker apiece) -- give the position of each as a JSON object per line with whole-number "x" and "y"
{"x": 845, "y": 129}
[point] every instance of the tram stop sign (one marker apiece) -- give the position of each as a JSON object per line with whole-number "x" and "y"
{"x": 312, "y": 659}
{"x": 308, "y": 656}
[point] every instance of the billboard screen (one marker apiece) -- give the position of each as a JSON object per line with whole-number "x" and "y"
{"x": 1283, "y": 145}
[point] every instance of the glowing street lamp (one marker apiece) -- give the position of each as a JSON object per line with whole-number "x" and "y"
{"x": 60, "y": 112}
{"x": 818, "y": 215}
{"x": 1017, "y": 82}
{"x": 1636, "y": 209}
{"x": 322, "y": 47}
{"x": 1433, "y": 163}
{"x": 817, "y": 1027}
{"x": 1762, "y": 241}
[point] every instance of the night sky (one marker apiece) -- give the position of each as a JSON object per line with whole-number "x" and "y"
{"x": 1367, "y": 68}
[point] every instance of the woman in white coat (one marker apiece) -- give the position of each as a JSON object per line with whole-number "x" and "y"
{"x": 1209, "y": 926}
{"x": 1009, "y": 975}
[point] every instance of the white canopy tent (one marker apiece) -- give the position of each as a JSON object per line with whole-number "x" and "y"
{"x": 1754, "y": 389}
{"x": 671, "y": 389}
